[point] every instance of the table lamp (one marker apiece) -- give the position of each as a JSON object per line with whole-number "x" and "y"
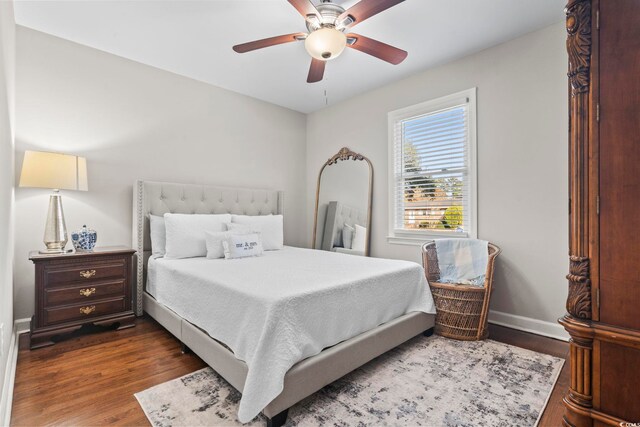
{"x": 57, "y": 172}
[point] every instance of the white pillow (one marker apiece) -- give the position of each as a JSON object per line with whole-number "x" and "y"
{"x": 158, "y": 235}
{"x": 243, "y": 228}
{"x": 214, "y": 243}
{"x": 347, "y": 236}
{"x": 242, "y": 245}
{"x": 359, "y": 239}
{"x": 186, "y": 233}
{"x": 270, "y": 226}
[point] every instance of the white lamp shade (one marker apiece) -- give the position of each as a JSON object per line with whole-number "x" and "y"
{"x": 53, "y": 170}
{"x": 325, "y": 43}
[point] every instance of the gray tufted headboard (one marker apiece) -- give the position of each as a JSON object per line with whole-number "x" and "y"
{"x": 338, "y": 215}
{"x": 158, "y": 198}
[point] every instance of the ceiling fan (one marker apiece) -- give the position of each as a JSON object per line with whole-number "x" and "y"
{"x": 329, "y": 24}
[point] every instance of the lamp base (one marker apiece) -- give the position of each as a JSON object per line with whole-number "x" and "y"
{"x": 55, "y": 231}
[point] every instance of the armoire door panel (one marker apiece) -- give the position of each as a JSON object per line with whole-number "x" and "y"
{"x": 619, "y": 126}
{"x": 619, "y": 381}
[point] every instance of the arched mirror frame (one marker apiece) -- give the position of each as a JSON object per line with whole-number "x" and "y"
{"x": 343, "y": 155}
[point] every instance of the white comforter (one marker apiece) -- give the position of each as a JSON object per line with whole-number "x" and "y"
{"x": 278, "y": 309}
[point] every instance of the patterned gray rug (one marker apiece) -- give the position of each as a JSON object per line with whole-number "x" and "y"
{"x": 424, "y": 382}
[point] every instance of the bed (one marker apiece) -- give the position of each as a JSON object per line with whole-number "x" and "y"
{"x": 251, "y": 361}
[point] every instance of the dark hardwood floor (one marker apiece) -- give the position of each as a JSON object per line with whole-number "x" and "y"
{"x": 90, "y": 379}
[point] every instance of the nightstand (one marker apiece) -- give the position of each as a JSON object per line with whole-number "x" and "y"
{"x": 79, "y": 288}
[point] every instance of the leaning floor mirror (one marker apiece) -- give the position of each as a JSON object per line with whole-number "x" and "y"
{"x": 342, "y": 220}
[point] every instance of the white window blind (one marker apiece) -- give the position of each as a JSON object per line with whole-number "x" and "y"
{"x": 433, "y": 182}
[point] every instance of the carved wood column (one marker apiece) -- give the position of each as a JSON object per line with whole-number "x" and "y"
{"x": 579, "y": 301}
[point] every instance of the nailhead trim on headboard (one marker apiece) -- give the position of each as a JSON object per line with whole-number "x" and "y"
{"x": 140, "y": 248}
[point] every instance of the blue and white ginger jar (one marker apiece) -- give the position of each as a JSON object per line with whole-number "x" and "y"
{"x": 84, "y": 240}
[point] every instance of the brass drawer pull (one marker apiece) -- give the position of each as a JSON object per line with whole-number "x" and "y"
{"x": 87, "y": 292}
{"x": 88, "y": 309}
{"x": 88, "y": 273}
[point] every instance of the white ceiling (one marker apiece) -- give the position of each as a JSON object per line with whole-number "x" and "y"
{"x": 194, "y": 39}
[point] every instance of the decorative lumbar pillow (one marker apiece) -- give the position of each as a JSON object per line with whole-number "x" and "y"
{"x": 347, "y": 236}
{"x": 270, "y": 226}
{"x": 186, "y": 233}
{"x": 158, "y": 235}
{"x": 359, "y": 239}
{"x": 242, "y": 245}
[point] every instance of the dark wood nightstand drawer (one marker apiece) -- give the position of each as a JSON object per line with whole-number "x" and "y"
{"x": 82, "y": 293}
{"x": 80, "y": 288}
{"x": 83, "y": 311}
{"x": 84, "y": 273}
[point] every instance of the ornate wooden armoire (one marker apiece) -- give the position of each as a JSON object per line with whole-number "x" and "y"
{"x": 603, "y": 304}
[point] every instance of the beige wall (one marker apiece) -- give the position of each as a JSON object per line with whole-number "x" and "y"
{"x": 7, "y": 64}
{"x": 522, "y": 164}
{"x": 132, "y": 121}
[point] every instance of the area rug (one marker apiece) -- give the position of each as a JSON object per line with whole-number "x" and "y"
{"x": 424, "y": 382}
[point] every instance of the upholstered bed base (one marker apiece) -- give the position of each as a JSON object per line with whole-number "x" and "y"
{"x": 309, "y": 375}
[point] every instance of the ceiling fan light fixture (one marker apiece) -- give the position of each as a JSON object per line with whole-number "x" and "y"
{"x": 329, "y": 33}
{"x": 325, "y": 43}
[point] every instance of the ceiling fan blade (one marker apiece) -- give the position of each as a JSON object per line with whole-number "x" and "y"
{"x": 304, "y": 7}
{"x": 378, "y": 49}
{"x": 316, "y": 71}
{"x": 365, "y": 9}
{"x": 271, "y": 41}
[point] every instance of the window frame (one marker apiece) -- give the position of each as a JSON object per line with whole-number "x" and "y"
{"x": 418, "y": 237}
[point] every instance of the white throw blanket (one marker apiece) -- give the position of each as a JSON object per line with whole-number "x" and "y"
{"x": 280, "y": 308}
{"x": 462, "y": 261}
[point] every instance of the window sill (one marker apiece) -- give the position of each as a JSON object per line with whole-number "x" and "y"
{"x": 419, "y": 239}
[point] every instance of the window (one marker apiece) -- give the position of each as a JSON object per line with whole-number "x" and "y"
{"x": 432, "y": 151}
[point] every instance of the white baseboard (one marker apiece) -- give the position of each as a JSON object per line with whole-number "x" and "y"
{"x": 527, "y": 324}
{"x": 20, "y": 326}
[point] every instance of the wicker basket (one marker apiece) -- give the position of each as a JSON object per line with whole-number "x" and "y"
{"x": 461, "y": 310}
